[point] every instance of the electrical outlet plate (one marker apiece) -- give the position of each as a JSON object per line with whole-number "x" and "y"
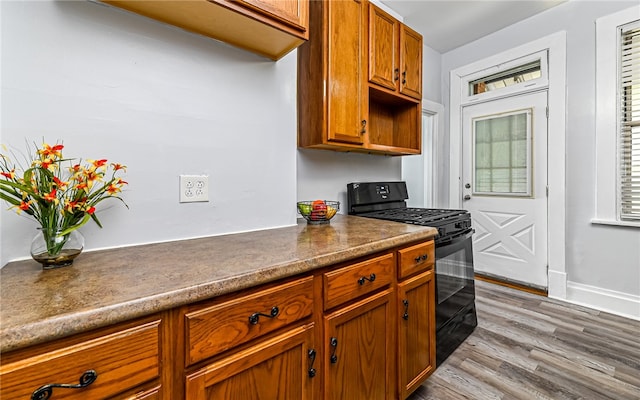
{"x": 194, "y": 188}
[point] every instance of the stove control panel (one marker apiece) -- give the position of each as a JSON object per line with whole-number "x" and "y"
{"x": 370, "y": 196}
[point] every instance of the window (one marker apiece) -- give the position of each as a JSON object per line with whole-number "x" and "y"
{"x": 629, "y": 114}
{"x": 501, "y": 154}
{"x": 618, "y": 118}
{"x": 513, "y": 76}
{"x": 506, "y": 78}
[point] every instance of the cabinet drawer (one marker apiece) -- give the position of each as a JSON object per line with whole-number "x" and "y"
{"x": 121, "y": 360}
{"x": 219, "y": 327}
{"x": 350, "y": 282}
{"x": 416, "y": 259}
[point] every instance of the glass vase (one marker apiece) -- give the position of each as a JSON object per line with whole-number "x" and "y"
{"x": 53, "y": 250}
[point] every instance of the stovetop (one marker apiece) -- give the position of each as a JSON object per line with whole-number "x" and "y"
{"x": 387, "y": 201}
{"x": 418, "y": 216}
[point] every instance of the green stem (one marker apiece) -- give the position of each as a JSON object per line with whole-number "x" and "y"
{"x": 54, "y": 240}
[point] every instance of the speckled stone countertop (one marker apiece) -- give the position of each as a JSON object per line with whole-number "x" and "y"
{"x": 109, "y": 286}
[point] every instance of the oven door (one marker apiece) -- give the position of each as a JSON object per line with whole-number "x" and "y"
{"x": 455, "y": 289}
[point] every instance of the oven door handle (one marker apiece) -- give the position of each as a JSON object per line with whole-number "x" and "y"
{"x": 457, "y": 239}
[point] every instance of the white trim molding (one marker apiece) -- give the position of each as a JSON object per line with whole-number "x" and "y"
{"x": 611, "y": 301}
{"x": 555, "y": 46}
{"x": 607, "y": 64}
{"x": 421, "y": 171}
{"x": 437, "y": 111}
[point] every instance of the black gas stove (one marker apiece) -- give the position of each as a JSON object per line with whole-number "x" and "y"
{"x": 455, "y": 289}
{"x": 387, "y": 200}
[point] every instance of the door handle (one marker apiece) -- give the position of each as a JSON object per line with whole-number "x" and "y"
{"x": 467, "y": 197}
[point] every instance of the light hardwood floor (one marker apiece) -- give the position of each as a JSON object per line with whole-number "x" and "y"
{"x": 531, "y": 347}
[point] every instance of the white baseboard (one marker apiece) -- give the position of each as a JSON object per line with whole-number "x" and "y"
{"x": 622, "y": 304}
{"x": 557, "y": 286}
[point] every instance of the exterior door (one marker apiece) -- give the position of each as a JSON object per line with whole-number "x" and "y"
{"x": 505, "y": 186}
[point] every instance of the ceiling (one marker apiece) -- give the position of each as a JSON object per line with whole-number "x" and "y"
{"x": 447, "y": 24}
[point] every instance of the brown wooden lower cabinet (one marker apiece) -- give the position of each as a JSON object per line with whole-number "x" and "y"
{"x": 416, "y": 335}
{"x": 276, "y": 368}
{"x": 360, "y": 350}
{"x": 358, "y": 330}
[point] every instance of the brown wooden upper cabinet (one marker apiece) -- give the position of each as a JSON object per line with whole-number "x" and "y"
{"x": 332, "y": 86}
{"x": 271, "y": 28}
{"x": 395, "y": 54}
{"x": 349, "y": 98}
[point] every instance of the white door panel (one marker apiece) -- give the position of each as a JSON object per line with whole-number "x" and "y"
{"x": 505, "y": 180}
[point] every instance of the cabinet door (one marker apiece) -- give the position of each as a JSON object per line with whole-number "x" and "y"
{"x": 359, "y": 350}
{"x": 417, "y": 332}
{"x": 346, "y": 85}
{"x": 383, "y": 45}
{"x": 410, "y": 62}
{"x": 271, "y": 369}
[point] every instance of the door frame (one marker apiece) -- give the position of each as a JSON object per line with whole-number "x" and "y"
{"x": 555, "y": 46}
{"x": 430, "y": 195}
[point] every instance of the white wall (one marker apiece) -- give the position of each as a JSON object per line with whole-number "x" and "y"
{"x": 164, "y": 102}
{"x": 601, "y": 261}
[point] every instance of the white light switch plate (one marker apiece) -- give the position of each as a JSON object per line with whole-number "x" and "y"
{"x": 194, "y": 188}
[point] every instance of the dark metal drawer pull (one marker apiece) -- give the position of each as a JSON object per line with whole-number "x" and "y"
{"x": 334, "y": 346}
{"x": 422, "y": 258}
{"x": 364, "y": 127}
{"x": 255, "y": 317}
{"x": 371, "y": 278}
{"x": 312, "y": 360}
{"x": 405, "y": 316}
{"x": 46, "y": 391}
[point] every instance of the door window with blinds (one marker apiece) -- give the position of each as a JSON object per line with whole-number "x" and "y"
{"x": 502, "y": 154}
{"x": 629, "y": 122}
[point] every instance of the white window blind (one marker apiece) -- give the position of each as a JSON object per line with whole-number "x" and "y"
{"x": 629, "y": 114}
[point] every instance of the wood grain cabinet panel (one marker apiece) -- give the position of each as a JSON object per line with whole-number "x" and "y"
{"x": 384, "y": 61}
{"x": 416, "y": 331}
{"x": 277, "y": 368}
{"x": 151, "y": 394}
{"x": 271, "y": 28}
{"x": 121, "y": 360}
{"x": 216, "y": 327}
{"x": 395, "y": 54}
{"x": 359, "y": 81}
{"x": 332, "y": 88}
{"x": 352, "y": 281}
{"x": 410, "y": 62}
{"x": 415, "y": 259}
{"x": 293, "y": 13}
{"x": 359, "y": 350}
